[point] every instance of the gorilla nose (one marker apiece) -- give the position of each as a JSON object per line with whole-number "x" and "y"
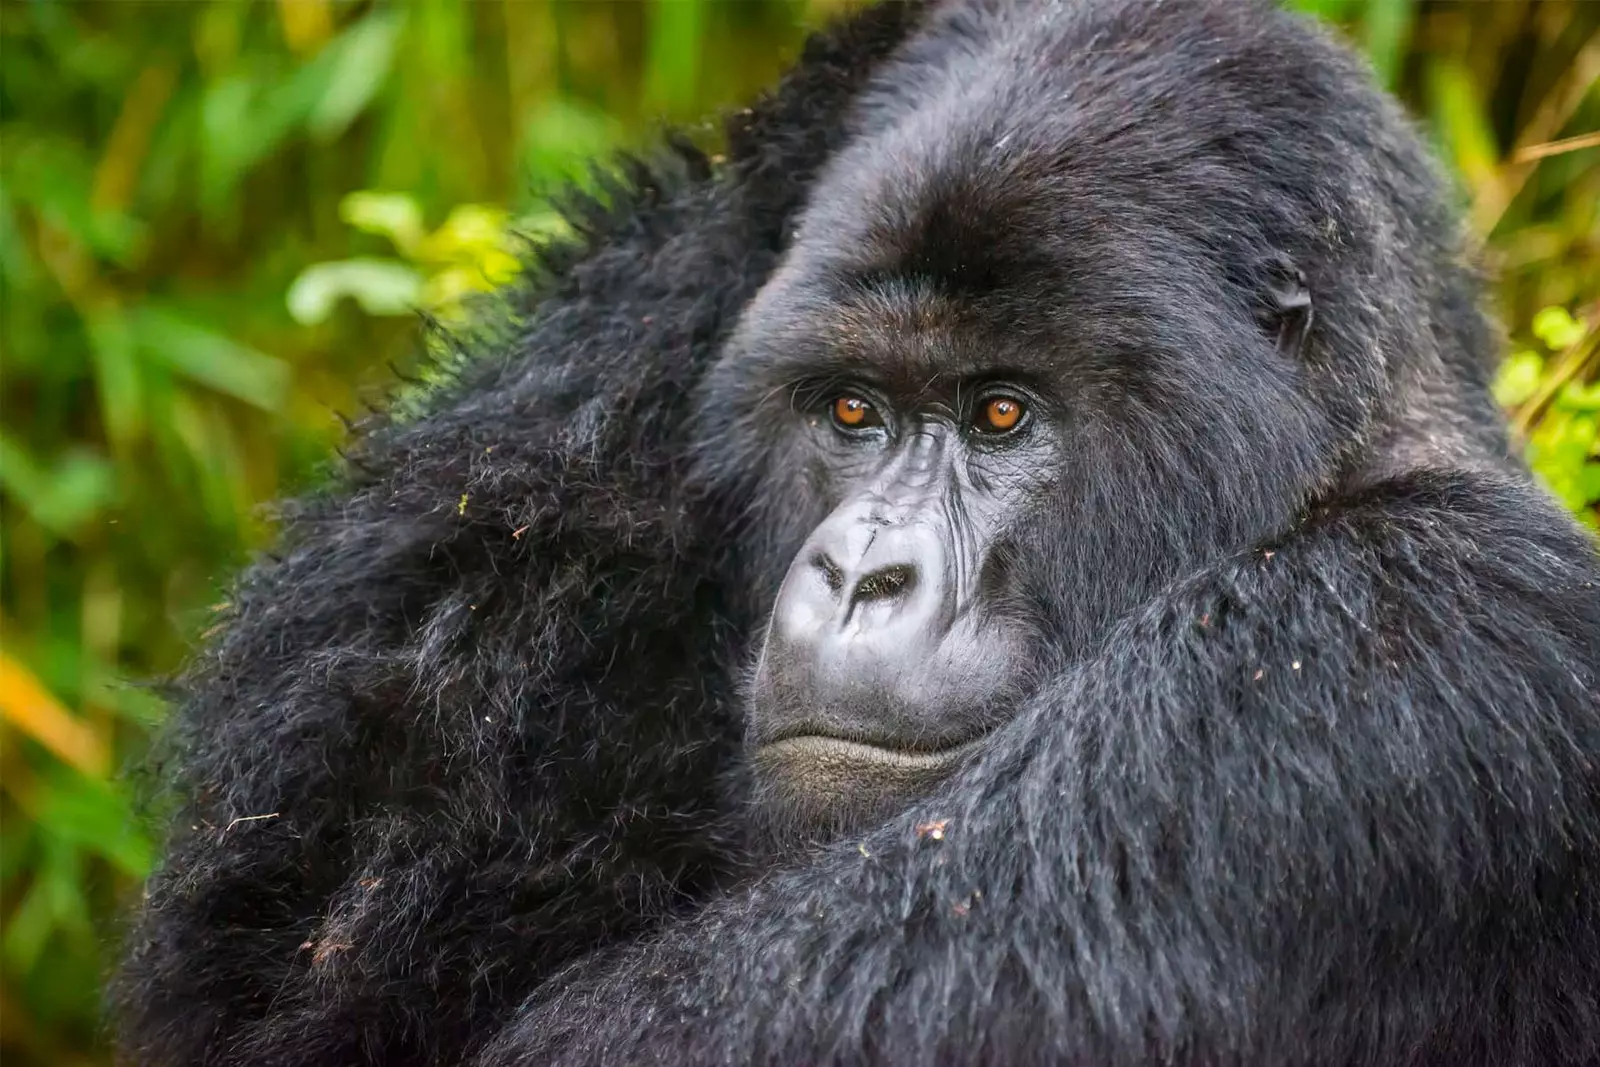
{"x": 865, "y": 606}
{"x": 870, "y": 576}
{"x": 862, "y": 585}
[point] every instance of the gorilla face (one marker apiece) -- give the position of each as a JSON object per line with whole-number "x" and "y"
{"x": 920, "y": 455}
{"x": 888, "y": 655}
{"x": 993, "y": 396}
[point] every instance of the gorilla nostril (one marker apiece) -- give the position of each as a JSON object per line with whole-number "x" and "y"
{"x": 886, "y": 583}
{"x": 830, "y": 572}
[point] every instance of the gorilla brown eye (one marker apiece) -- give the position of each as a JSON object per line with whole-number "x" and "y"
{"x": 854, "y": 413}
{"x": 999, "y": 414}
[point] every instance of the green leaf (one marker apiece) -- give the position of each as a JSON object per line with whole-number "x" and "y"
{"x": 380, "y": 286}
{"x": 1556, "y": 327}
{"x": 116, "y": 366}
{"x": 28, "y": 929}
{"x": 1588, "y": 484}
{"x": 1388, "y": 33}
{"x": 1518, "y": 379}
{"x": 542, "y": 225}
{"x": 360, "y": 60}
{"x": 53, "y": 175}
{"x": 63, "y": 497}
{"x": 1575, "y": 396}
{"x": 672, "y": 69}
{"x": 80, "y": 485}
{"x": 564, "y": 137}
{"x": 1330, "y": 10}
{"x": 16, "y": 264}
{"x": 231, "y": 137}
{"x": 471, "y": 228}
{"x": 245, "y": 117}
{"x": 94, "y": 815}
{"x": 132, "y": 700}
{"x": 212, "y": 359}
{"x": 1462, "y": 122}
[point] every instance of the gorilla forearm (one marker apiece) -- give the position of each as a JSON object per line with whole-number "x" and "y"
{"x": 1301, "y": 805}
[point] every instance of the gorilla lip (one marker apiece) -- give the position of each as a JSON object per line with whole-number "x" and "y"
{"x": 833, "y": 781}
{"x": 830, "y": 748}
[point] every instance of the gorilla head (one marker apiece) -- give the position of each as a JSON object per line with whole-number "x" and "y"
{"x": 1035, "y": 348}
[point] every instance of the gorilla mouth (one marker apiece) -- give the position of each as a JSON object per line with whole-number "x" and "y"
{"x": 833, "y": 753}
{"x": 828, "y": 784}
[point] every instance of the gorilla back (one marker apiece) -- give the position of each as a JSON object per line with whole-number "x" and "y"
{"x": 1019, "y": 566}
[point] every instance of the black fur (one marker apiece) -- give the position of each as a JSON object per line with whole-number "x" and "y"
{"x": 1309, "y": 775}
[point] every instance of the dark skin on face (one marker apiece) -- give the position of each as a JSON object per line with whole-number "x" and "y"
{"x": 890, "y": 655}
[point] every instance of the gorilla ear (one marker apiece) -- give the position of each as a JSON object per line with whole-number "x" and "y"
{"x": 1285, "y": 309}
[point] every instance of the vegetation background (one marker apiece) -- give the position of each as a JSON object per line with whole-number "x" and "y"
{"x": 217, "y": 217}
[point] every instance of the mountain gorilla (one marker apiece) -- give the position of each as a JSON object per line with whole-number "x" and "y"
{"x": 1019, "y": 565}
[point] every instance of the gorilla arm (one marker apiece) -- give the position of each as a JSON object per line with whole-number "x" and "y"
{"x": 1326, "y": 803}
{"x": 409, "y": 771}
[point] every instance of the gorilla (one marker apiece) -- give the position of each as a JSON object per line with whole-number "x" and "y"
{"x": 1017, "y": 564}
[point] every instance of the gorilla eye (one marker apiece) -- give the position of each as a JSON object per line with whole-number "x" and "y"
{"x": 854, "y": 413}
{"x": 999, "y": 414}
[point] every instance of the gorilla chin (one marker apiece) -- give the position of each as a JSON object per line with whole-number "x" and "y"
{"x": 815, "y": 786}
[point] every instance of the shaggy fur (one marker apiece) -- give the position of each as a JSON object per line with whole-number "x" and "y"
{"x": 1308, "y": 774}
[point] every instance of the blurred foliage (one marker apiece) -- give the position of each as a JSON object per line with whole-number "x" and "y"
{"x": 1553, "y": 395}
{"x": 217, "y": 217}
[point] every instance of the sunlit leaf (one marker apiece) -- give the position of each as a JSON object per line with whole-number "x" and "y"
{"x": 1559, "y": 452}
{"x": 469, "y": 229}
{"x": 1461, "y": 122}
{"x": 1332, "y": 10}
{"x": 1556, "y": 327}
{"x": 26, "y": 705}
{"x": 542, "y": 225}
{"x": 392, "y": 215}
{"x": 1518, "y": 379}
{"x": 306, "y": 23}
{"x": 380, "y": 286}
{"x": 1587, "y": 486}
{"x": 1575, "y": 396}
